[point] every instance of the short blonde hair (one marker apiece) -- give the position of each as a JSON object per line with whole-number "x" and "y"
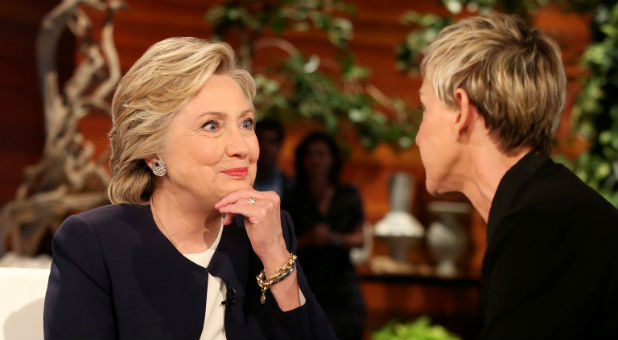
{"x": 512, "y": 72}
{"x": 156, "y": 87}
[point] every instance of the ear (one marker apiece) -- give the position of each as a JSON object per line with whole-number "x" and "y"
{"x": 150, "y": 161}
{"x": 465, "y": 115}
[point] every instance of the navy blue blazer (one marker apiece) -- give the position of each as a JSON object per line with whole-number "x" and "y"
{"x": 115, "y": 275}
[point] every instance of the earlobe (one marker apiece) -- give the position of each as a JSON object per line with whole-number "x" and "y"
{"x": 150, "y": 161}
{"x": 156, "y": 165}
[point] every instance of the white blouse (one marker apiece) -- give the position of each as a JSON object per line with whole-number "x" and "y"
{"x": 214, "y": 326}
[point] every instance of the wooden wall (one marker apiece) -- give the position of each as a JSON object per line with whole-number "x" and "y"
{"x": 21, "y": 119}
{"x": 377, "y": 31}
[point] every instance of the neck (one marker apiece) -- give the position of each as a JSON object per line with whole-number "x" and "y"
{"x": 190, "y": 227}
{"x": 319, "y": 186}
{"x": 487, "y": 168}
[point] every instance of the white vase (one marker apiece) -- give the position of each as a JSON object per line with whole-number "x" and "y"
{"x": 399, "y": 229}
{"x": 446, "y": 237}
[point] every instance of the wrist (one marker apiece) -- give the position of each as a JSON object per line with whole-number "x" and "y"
{"x": 282, "y": 272}
{"x": 274, "y": 260}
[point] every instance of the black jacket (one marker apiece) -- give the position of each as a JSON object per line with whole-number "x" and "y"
{"x": 550, "y": 269}
{"x": 115, "y": 275}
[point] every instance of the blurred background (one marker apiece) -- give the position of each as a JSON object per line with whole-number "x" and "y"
{"x": 347, "y": 68}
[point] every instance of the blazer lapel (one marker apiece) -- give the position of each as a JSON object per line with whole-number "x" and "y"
{"x": 231, "y": 263}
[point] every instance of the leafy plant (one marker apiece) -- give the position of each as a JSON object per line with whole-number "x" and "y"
{"x": 408, "y": 53}
{"x": 306, "y": 93}
{"x": 251, "y": 18}
{"x": 596, "y": 110}
{"x": 419, "y": 329}
{"x": 428, "y": 25}
{"x": 300, "y": 86}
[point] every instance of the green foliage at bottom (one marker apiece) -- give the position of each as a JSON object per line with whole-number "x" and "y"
{"x": 419, "y": 329}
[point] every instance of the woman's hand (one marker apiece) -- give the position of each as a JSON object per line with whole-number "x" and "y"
{"x": 263, "y": 224}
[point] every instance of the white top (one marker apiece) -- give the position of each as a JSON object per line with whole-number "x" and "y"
{"x": 214, "y": 327}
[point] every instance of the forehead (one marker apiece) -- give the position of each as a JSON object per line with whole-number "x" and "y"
{"x": 220, "y": 88}
{"x": 318, "y": 145}
{"x": 221, "y": 94}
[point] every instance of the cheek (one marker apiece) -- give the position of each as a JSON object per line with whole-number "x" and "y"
{"x": 208, "y": 155}
{"x": 254, "y": 155}
{"x": 197, "y": 151}
{"x": 327, "y": 162}
{"x": 254, "y": 149}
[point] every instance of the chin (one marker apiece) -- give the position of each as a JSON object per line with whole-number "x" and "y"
{"x": 440, "y": 190}
{"x": 432, "y": 191}
{"x": 432, "y": 188}
{"x": 231, "y": 186}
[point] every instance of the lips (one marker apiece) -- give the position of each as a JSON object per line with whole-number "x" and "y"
{"x": 237, "y": 172}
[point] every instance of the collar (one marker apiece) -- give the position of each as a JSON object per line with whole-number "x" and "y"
{"x": 203, "y": 258}
{"x": 510, "y": 184}
{"x": 230, "y": 261}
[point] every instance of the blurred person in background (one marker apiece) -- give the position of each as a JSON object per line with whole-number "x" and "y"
{"x": 177, "y": 253}
{"x": 329, "y": 217}
{"x": 270, "y": 135}
{"x": 493, "y": 91}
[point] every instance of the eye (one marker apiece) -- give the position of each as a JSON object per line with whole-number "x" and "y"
{"x": 421, "y": 108}
{"x": 211, "y": 125}
{"x": 248, "y": 124}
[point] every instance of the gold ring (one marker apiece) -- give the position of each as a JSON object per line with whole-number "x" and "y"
{"x": 251, "y": 200}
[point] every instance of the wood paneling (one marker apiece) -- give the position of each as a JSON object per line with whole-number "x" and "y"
{"x": 455, "y": 304}
{"x": 377, "y": 31}
{"x": 21, "y": 118}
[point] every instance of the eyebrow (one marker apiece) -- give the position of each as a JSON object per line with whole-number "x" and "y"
{"x": 251, "y": 110}
{"x": 222, "y": 114}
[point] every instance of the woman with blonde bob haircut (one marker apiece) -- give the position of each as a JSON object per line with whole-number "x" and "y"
{"x": 492, "y": 95}
{"x": 188, "y": 249}
{"x": 156, "y": 87}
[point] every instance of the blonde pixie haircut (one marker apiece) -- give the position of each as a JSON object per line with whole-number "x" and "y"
{"x": 513, "y": 73}
{"x": 154, "y": 89}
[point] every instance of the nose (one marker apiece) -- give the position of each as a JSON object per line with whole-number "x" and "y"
{"x": 236, "y": 144}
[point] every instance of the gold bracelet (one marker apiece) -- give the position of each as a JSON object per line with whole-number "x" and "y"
{"x": 282, "y": 272}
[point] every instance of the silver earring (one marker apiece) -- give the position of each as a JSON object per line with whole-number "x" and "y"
{"x": 159, "y": 168}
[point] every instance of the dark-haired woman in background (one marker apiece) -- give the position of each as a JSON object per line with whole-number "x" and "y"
{"x": 328, "y": 216}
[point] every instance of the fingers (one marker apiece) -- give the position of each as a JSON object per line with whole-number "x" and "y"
{"x": 262, "y": 219}
{"x": 256, "y": 213}
{"x": 233, "y": 197}
{"x": 244, "y": 195}
{"x": 228, "y": 218}
{"x": 238, "y": 202}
